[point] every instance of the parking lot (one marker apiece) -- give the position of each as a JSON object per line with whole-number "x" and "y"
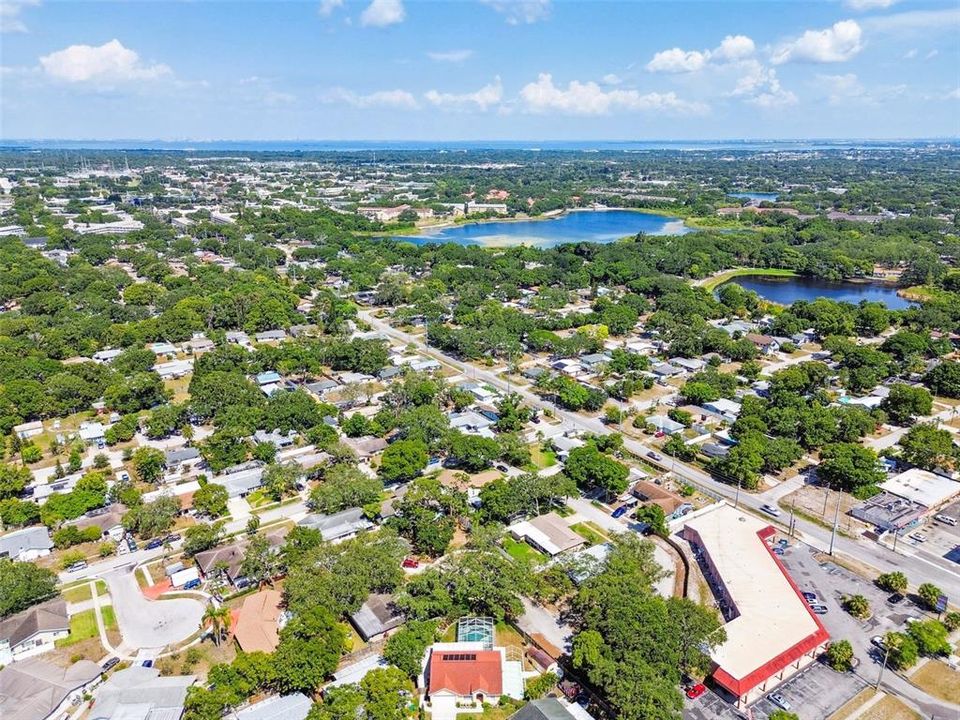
{"x": 831, "y": 582}
{"x": 943, "y": 541}
{"x": 813, "y": 695}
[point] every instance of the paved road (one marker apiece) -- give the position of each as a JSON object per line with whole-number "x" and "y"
{"x": 537, "y": 619}
{"x": 867, "y": 552}
{"x": 100, "y": 567}
{"x": 150, "y": 623}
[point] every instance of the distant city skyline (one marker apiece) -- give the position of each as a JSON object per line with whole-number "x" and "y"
{"x": 479, "y": 70}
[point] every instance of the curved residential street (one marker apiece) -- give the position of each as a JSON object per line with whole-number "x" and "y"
{"x": 150, "y": 624}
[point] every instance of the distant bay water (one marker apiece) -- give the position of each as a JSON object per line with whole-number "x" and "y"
{"x": 294, "y": 146}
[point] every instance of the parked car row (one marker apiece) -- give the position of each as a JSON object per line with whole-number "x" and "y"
{"x": 816, "y": 605}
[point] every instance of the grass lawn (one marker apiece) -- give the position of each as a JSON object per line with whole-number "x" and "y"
{"x": 82, "y": 626}
{"x": 938, "y": 679}
{"x": 507, "y": 635}
{"x": 450, "y": 634}
{"x": 354, "y": 642}
{"x": 588, "y": 533}
{"x": 853, "y": 704}
{"x": 922, "y": 293}
{"x": 521, "y": 551}
{"x": 179, "y": 387}
{"x": 718, "y": 280}
{"x": 109, "y": 618}
{"x": 890, "y": 708}
{"x": 258, "y": 498}
{"x": 505, "y": 709}
{"x": 541, "y": 458}
{"x": 81, "y": 592}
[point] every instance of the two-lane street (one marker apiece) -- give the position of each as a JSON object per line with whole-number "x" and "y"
{"x": 864, "y": 551}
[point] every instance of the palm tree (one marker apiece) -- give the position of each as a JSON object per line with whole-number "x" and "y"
{"x": 218, "y": 619}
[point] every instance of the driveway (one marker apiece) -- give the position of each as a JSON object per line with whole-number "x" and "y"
{"x": 587, "y": 511}
{"x": 537, "y": 619}
{"x": 150, "y": 623}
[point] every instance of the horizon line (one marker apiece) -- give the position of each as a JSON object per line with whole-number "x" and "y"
{"x": 825, "y": 138}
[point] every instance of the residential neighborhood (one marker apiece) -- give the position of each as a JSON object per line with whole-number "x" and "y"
{"x": 511, "y": 433}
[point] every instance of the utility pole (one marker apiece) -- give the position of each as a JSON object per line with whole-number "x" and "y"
{"x": 836, "y": 521}
{"x": 736, "y": 500}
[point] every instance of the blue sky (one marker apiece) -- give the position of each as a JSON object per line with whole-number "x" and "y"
{"x": 479, "y": 69}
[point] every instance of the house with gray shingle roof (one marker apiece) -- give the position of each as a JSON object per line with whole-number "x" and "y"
{"x": 33, "y": 631}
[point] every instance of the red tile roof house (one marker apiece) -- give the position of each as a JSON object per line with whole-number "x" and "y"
{"x": 462, "y": 676}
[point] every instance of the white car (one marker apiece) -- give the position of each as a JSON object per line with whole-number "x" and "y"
{"x": 946, "y": 520}
{"x": 919, "y": 537}
{"x": 771, "y": 510}
{"x": 779, "y": 700}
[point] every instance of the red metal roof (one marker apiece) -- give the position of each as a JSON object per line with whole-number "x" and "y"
{"x": 465, "y": 672}
{"x": 741, "y": 686}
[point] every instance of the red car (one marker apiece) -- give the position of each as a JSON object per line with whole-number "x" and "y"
{"x": 411, "y": 562}
{"x": 695, "y": 691}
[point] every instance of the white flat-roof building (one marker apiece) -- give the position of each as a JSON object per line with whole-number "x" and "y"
{"x": 771, "y": 632}
{"x": 923, "y": 487}
{"x": 28, "y": 429}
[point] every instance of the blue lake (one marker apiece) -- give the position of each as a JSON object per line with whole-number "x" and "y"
{"x": 786, "y": 291}
{"x": 758, "y": 196}
{"x": 599, "y": 226}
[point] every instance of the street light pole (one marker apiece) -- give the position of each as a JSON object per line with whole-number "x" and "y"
{"x": 883, "y": 667}
{"x": 836, "y": 521}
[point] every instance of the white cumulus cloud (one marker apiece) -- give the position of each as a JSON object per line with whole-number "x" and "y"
{"x": 400, "y": 99}
{"x": 10, "y": 20}
{"x": 486, "y": 97}
{"x": 837, "y": 43}
{"x": 521, "y": 12}
{"x": 760, "y": 86}
{"x": 735, "y": 47}
{"x": 676, "y": 60}
{"x": 381, "y": 13}
{"x": 732, "y": 48}
{"x": 328, "y": 6}
{"x": 110, "y": 62}
{"x": 451, "y": 56}
{"x": 588, "y": 98}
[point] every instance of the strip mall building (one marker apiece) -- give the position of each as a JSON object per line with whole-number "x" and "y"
{"x": 771, "y": 632}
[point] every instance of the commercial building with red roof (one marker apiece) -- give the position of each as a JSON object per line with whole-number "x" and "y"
{"x": 772, "y": 633}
